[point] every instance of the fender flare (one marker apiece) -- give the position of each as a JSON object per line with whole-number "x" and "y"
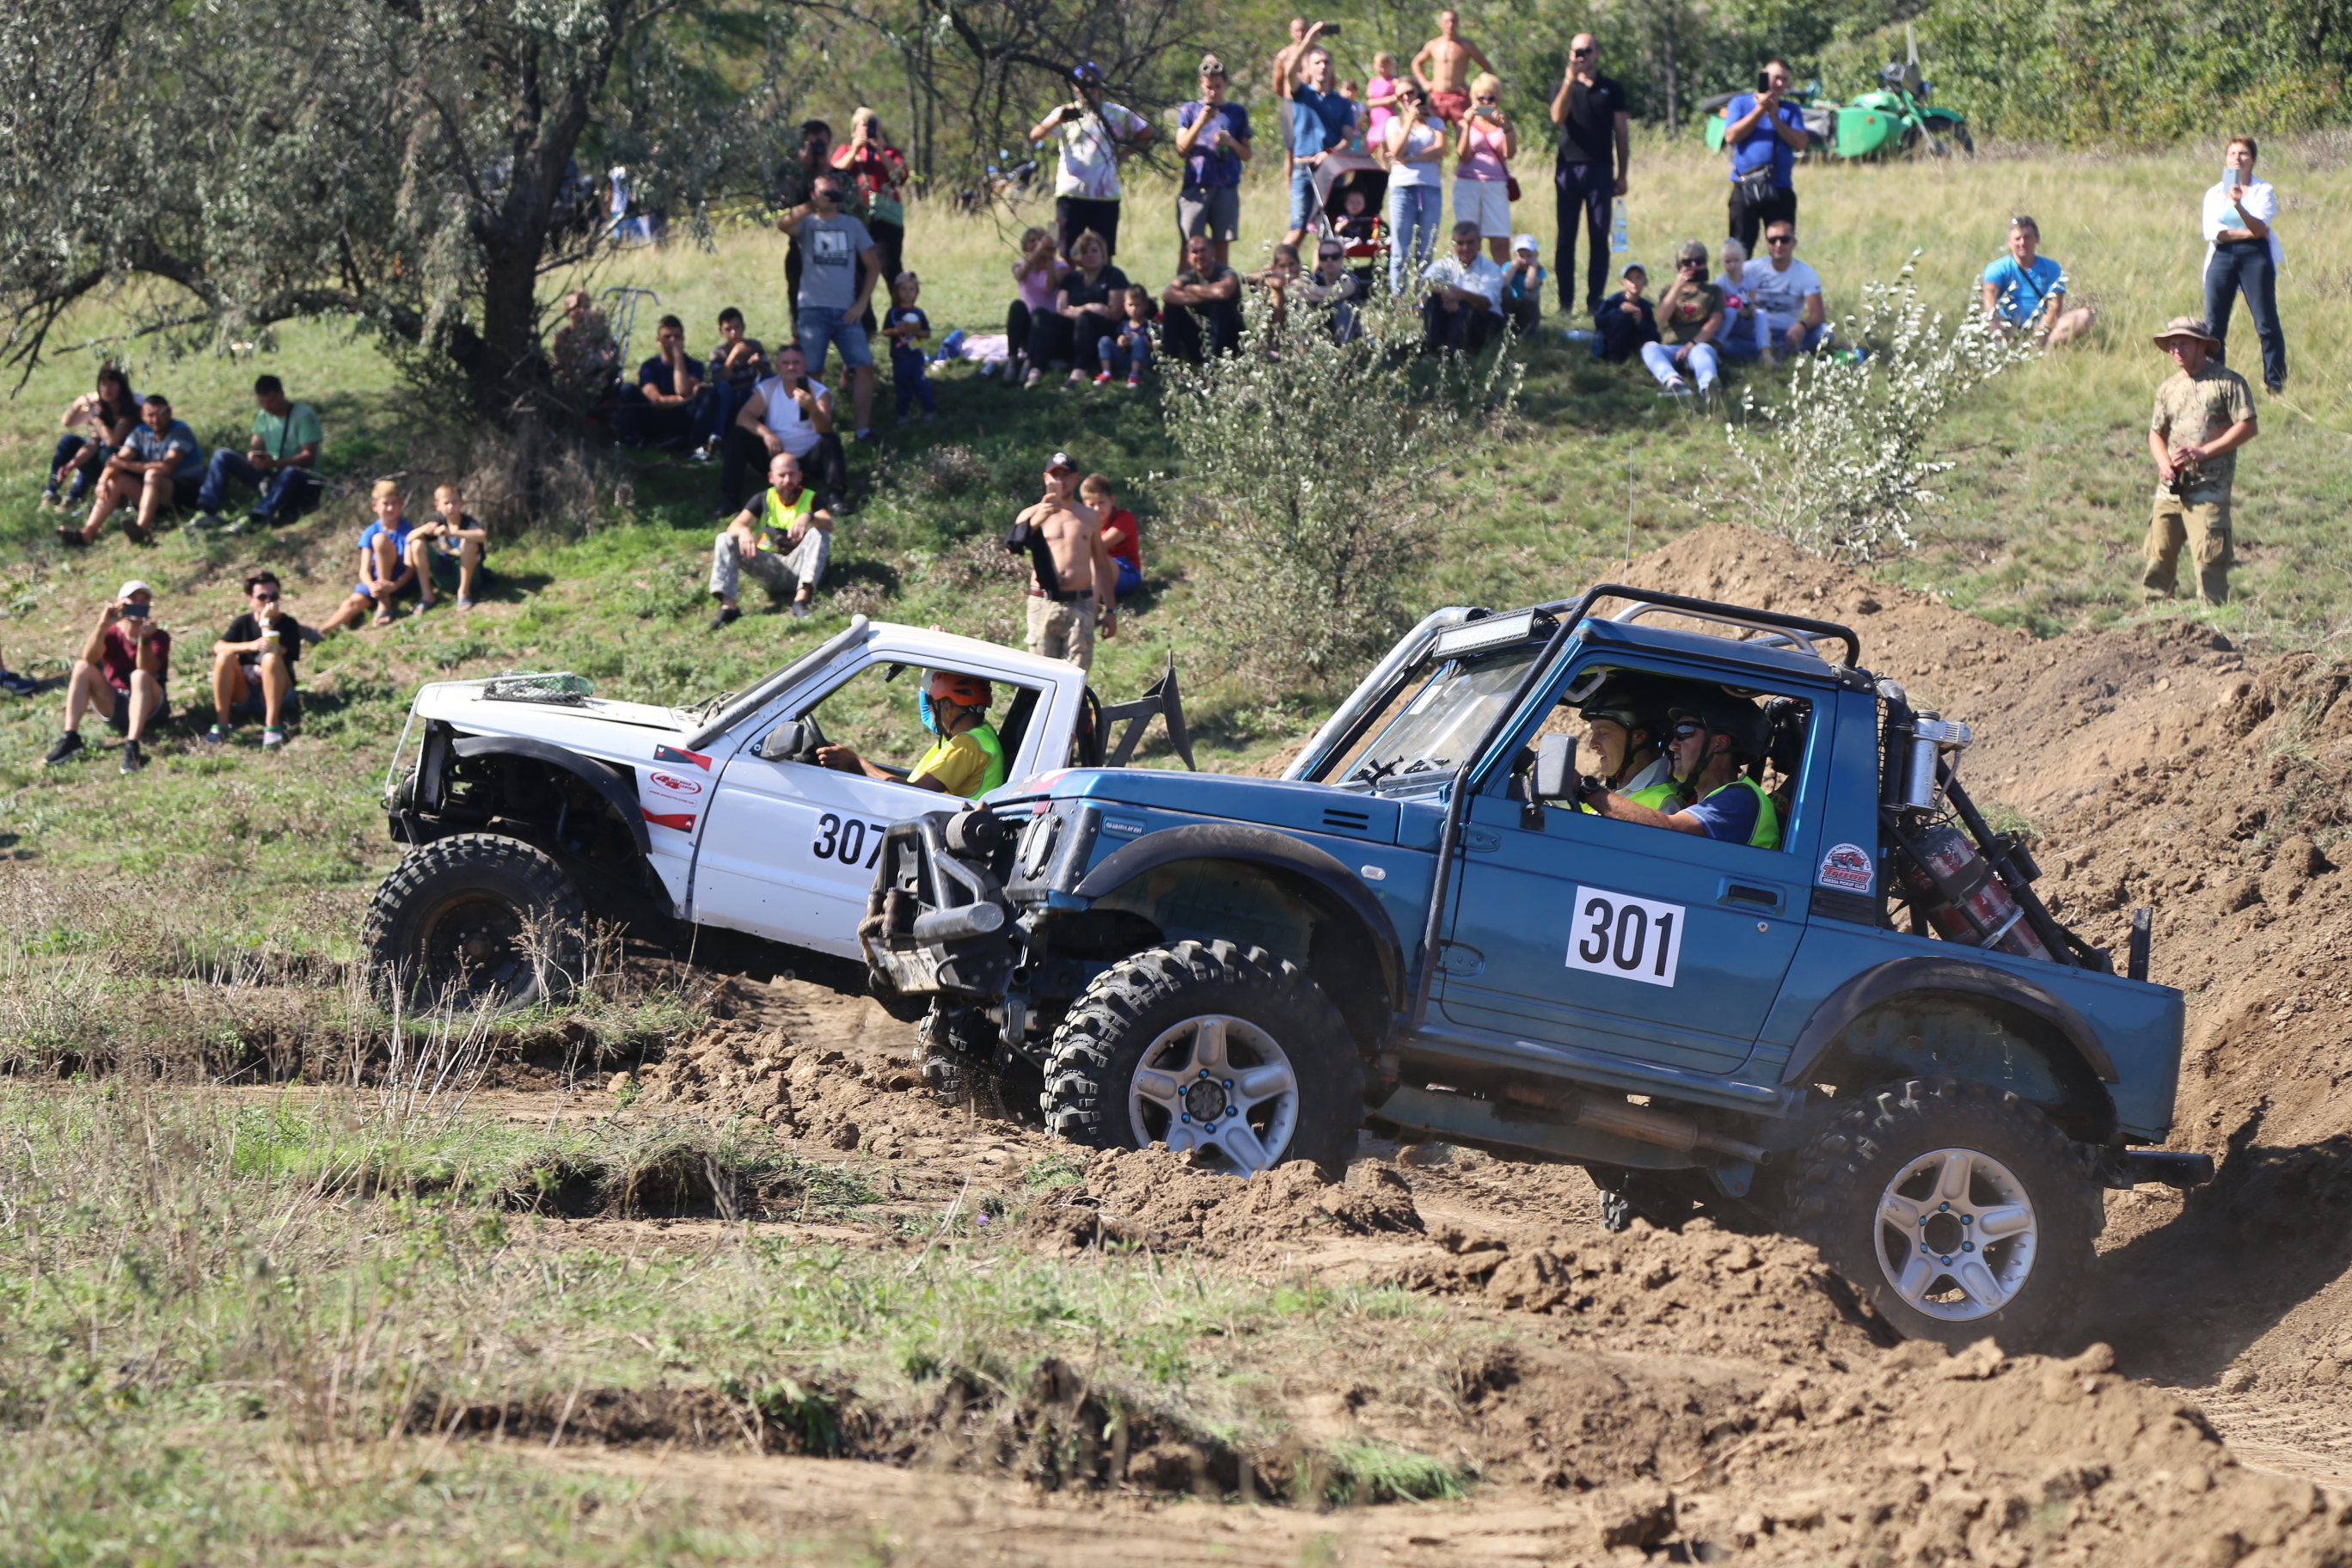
{"x": 1907, "y": 976}
{"x": 618, "y": 790}
{"x": 1340, "y": 888}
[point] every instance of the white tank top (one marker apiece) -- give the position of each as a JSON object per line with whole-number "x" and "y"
{"x": 1418, "y": 140}
{"x": 796, "y": 430}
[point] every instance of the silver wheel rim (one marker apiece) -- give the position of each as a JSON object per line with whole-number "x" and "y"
{"x": 1220, "y": 1085}
{"x": 1956, "y": 1234}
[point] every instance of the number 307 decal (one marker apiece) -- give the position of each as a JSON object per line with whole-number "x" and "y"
{"x": 846, "y": 841}
{"x": 1633, "y": 939}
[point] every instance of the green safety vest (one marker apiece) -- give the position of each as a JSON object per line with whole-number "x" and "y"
{"x": 1657, "y": 796}
{"x": 985, "y": 735}
{"x": 780, "y": 518}
{"x": 1767, "y": 820}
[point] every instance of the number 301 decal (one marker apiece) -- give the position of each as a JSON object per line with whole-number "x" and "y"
{"x": 1633, "y": 939}
{"x": 847, "y": 841}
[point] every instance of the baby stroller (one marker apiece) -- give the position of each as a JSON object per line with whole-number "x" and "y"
{"x": 1367, "y": 237}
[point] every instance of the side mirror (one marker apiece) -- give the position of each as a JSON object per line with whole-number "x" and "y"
{"x": 788, "y": 742}
{"x": 1555, "y": 766}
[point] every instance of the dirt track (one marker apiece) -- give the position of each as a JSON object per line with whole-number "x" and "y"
{"x": 1713, "y": 1397}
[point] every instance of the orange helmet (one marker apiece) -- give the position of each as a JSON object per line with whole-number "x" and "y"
{"x": 964, "y": 690}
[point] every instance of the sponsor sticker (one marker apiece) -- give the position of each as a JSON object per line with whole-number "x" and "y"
{"x": 1848, "y": 868}
{"x": 675, "y": 785}
{"x": 683, "y": 821}
{"x": 689, "y": 759}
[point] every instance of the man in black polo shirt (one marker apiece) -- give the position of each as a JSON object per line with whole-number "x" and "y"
{"x": 1595, "y": 147}
{"x": 659, "y": 410}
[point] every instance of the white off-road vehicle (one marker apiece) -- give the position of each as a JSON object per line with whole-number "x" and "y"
{"x": 534, "y": 808}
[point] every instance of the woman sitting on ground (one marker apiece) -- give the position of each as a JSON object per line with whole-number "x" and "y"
{"x": 1089, "y": 302}
{"x": 96, "y": 423}
{"x": 1037, "y": 277}
{"x": 1690, "y": 318}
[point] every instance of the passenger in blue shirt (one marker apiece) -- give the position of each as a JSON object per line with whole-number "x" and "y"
{"x": 1319, "y": 121}
{"x": 160, "y": 466}
{"x": 2026, "y": 293}
{"x": 1712, "y": 738}
{"x": 384, "y": 570}
{"x": 1764, "y": 136}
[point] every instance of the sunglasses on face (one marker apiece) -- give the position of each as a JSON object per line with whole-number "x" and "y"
{"x": 1685, "y": 730}
{"x": 1580, "y": 54}
{"x": 1780, "y": 239}
{"x": 266, "y": 598}
{"x": 1329, "y": 255}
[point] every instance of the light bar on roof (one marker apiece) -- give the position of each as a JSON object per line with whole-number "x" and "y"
{"x": 1477, "y": 636}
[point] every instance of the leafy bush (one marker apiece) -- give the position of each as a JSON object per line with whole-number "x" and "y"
{"x": 1841, "y": 466}
{"x": 1312, "y": 469}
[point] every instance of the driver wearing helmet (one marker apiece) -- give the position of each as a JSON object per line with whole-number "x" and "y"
{"x": 1621, "y": 721}
{"x": 1711, "y": 738}
{"x": 966, "y": 760}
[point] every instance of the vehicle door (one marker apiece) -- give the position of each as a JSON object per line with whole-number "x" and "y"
{"x": 789, "y": 848}
{"x": 1642, "y": 941}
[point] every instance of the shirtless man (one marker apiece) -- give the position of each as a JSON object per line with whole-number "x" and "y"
{"x": 1286, "y": 77}
{"x": 1448, "y": 58}
{"x": 1064, "y": 540}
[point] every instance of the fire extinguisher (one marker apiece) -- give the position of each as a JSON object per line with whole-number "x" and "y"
{"x": 1956, "y": 865}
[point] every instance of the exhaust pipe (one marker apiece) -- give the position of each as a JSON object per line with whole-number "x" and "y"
{"x": 1638, "y": 1122}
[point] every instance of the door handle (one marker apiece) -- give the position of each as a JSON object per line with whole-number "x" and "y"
{"x": 1748, "y": 896}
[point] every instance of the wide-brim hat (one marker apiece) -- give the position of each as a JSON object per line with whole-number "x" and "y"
{"x": 2188, "y": 327}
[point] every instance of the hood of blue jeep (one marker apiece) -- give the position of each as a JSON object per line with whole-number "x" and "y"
{"x": 1269, "y": 803}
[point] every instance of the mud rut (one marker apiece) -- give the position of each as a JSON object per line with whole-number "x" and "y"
{"x": 1703, "y": 1396}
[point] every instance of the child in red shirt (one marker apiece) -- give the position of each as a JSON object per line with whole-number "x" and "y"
{"x": 1117, "y": 532}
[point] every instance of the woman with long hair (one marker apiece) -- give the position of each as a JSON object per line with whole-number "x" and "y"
{"x": 97, "y": 423}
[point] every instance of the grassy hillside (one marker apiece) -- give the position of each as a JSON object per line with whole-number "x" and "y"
{"x": 2045, "y": 507}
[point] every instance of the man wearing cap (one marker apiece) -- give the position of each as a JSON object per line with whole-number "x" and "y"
{"x": 1711, "y": 740}
{"x": 1072, "y": 580}
{"x": 782, "y": 537}
{"x": 1095, "y": 137}
{"x": 125, "y": 665}
{"x": 2204, "y": 413}
{"x": 1213, "y": 137}
{"x": 967, "y": 759}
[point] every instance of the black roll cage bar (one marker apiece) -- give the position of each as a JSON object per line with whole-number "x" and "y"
{"x": 1578, "y": 610}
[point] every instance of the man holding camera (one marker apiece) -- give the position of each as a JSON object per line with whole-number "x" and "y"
{"x": 1596, "y": 148}
{"x": 2204, "y": 413}
{"x": 787, "y": 412}
{"x": 125, "y": 664}
{"x": 1095, "y": 136}
{"x": 1764, "y": 135}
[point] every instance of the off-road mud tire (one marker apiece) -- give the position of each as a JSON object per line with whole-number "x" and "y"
{"x": 1101, "y": 1043}
{"x": 503, "y": 884}
{"x": 1838, "y": 1178}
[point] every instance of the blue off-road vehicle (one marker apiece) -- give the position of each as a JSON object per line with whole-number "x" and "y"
{"x": 1861, "y": 1025}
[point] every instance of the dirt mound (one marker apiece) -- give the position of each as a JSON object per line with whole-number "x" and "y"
{"x": 1155, "y": 1198}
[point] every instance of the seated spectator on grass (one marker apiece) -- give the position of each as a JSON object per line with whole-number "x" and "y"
{"x": 735, "y": 366}
{"x": 1743, "y": 331}
{"x": 124, "y": 672}
{"x": 253, "y": 666}
{"x": 160, "y": 466}
{"x": 1333, "y": 289}
{"x": 782, "y": 537}
{"x": 659, "y": 410}
{"x": 587, "y": 360}
{"x": 836, "y": 286}
{"x": 787, "y": 413}
{"x": 1036, "y": 278}
{"x": 384, "y": 573}
{"x": 1523, "y": 282}
{"x": 1463, "y": 311}
{"x": 2026, "y": 293}
{"x": 446, "y": 549}
{"x": 1626, "y": 319}
{"x": 1689, "y": 318}
{"x": 1280, "y": 279}
{"x": 14, "y": 684}
{"x": 278, "y": 465}
{"x": 1086, "y": 304}
{"x": 96, "y": 423}
{"x": 1787, "y": 294}
{"x": 1203, "y": 309}
{"x": 1119, "y": 531}
{"x": 1127, "y": 351}
{"x": 906, "y": 326}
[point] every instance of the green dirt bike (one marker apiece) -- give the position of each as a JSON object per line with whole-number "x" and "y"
{"x": 1899, "y": 117}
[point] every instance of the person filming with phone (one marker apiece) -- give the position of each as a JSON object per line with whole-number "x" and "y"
{"x": 2242, "y": 255}
{"x": 1764, "y": 134}
{"x": 787, "y": 412}
{"x": 125, "y": 665}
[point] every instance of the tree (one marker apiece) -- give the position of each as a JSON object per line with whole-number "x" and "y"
{"x": 230, "y": 166}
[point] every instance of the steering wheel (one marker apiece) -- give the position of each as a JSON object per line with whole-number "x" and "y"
{"x": 816, "y": 740}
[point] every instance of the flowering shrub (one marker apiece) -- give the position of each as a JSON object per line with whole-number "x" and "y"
{"x": 1312, "y": 475}
{"x": 1841, "y": 467}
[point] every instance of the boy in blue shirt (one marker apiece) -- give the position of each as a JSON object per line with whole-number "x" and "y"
{"x": 1523, "y": 282}
{"x": 385, "y": 572}
{"x": 907, "y": 327}
{"x": 2026, "y": 293}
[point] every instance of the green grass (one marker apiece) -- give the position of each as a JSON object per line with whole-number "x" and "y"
{"x": 204, "y": 1299}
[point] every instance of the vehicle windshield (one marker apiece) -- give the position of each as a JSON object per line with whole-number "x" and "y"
{"x": 1444, "y": 720}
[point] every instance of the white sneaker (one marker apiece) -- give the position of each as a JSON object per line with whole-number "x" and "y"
{"x": 1677, "y": 388}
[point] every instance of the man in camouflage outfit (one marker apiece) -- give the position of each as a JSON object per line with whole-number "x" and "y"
{"x": 2204, "y": 413}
